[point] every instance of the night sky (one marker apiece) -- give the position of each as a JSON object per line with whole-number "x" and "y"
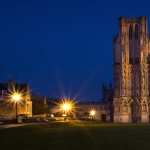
{"x": 62, "y": 47}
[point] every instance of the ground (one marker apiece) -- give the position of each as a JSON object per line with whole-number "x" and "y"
{"x": 76, "y": 135}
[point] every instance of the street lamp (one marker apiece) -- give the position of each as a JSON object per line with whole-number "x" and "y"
{"x": 67, "y": 107}
{"x": 16, "y": 97}
{"x": 92, "y": 113}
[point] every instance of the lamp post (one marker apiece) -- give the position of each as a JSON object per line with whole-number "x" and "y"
{"x": 67, "y": 106}
{"x": 92, "y": 113}
{"x": 16, "y": 98}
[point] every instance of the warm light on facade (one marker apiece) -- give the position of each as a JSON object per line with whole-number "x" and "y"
{"x": 92, "y": 113}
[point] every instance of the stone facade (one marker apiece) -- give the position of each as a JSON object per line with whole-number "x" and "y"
{"x": 82, "y": 111}
{"x": 132, "y": 71}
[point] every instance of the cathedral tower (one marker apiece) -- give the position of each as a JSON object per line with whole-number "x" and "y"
{"x": 131, "y": 71}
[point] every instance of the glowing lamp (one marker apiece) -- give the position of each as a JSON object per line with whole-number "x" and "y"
{"x": 16, "y": 97}
{"x": 92, "y": 113}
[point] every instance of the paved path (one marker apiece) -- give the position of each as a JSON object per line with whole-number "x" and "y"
{"x": 6, "y": 126}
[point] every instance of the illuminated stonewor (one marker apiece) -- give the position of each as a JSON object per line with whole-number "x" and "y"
{"x": 132, "y": 71}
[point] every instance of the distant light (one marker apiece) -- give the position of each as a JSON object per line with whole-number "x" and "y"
{"x": 52, "y": 115}
{"x": 92, "y": 113}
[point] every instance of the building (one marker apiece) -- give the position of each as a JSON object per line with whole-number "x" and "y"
{"x": 128, "y": 100}
{"x": 7, "y": 108}
{"x": 132, "y": 71}
{"x": 84, "y": 110}
{"x": 102, "y": 108}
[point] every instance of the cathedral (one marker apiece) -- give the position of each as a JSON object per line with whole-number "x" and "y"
{"x": 128, "y": 100}
{"x": 132, "y": 71}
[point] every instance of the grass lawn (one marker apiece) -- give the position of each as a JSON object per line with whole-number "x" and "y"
{"x": 76, "y": 136}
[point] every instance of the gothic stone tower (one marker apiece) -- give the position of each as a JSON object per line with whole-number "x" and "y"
{"x": 131, "y": 71}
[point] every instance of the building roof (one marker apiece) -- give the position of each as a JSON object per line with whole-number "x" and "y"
{"x": 91, "y": 103}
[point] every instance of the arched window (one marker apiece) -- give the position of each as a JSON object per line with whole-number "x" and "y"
{"x": 130, "y": 32}
{"x": 136, "y": 31}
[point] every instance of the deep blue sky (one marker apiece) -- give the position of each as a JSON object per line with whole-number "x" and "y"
{"x": 62, "y": 47}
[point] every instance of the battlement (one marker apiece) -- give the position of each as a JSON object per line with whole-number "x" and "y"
{"x": 133, "y": 19}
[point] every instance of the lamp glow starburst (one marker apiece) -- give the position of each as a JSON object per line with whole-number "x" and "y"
{"x": 92, "y": 113}
{"x": 16, "y": 97}
{"x": 67, "y": 106}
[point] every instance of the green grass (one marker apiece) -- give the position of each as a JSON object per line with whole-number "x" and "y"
{"x": 77, "y": 136}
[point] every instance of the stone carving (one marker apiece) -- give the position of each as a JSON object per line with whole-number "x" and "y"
{"x": 132, "y": 79}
